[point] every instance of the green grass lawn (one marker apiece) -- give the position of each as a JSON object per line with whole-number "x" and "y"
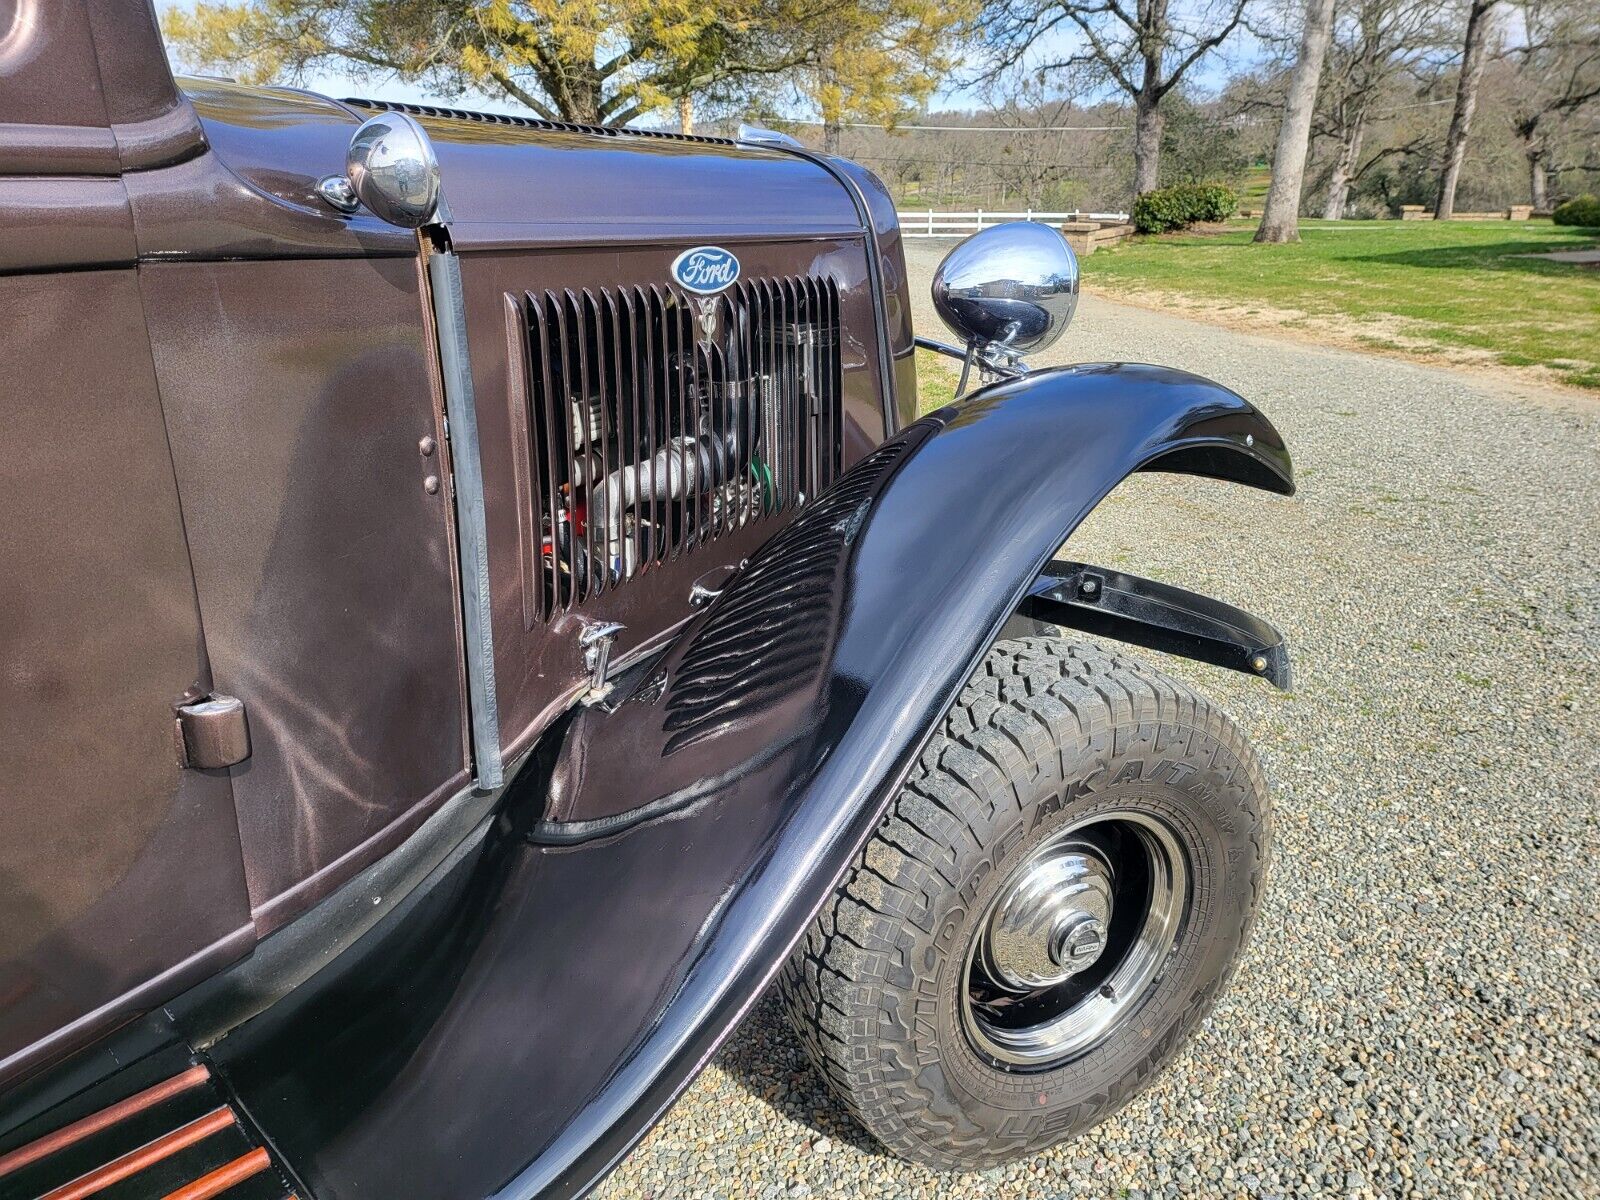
{"x": 936, "y": 381}
{"x": 1398, "y": 285}
{"x": 1253, "y": 188}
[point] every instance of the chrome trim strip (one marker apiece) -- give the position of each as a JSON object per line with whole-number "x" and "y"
{"x": 760, "y": 135}
{"x": 472, "y": 538}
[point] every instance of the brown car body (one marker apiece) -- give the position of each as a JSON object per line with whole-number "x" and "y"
{"x": 461, "y": 661}
{"x": 224, "y": 428}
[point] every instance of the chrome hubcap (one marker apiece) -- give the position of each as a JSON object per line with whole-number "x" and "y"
{"x": 1049, "y": 923}
{"x": 1074, "y": 940}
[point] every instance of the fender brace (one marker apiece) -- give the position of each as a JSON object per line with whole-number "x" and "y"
{"x": 1160, "y": 617}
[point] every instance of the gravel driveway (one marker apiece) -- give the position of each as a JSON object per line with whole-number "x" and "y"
{"x": 1418, "y": 1011}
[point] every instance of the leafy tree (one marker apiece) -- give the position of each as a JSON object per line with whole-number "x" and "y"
{"x": 874, "y": 61}
{"x": 592, "y": 61}
{"x": 1200, "y": 143}
{"x": 549, "y": 56}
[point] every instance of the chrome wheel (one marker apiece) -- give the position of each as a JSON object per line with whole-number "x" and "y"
{"x": 1029, "y": 944}
{"x": 1074, "y": 940}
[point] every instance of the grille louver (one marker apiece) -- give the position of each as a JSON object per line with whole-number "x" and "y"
{"x": 463, "y": 114}
{"x": 649, "y": 423}
{"x": 769, "y": 636}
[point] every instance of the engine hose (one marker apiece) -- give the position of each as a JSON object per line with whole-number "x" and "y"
{"x": 763, "y": 474}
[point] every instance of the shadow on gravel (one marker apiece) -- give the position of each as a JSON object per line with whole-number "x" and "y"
{"x": 765, "y": 1058}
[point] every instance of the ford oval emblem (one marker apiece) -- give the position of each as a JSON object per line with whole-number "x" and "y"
{"x": 705, "y": 270}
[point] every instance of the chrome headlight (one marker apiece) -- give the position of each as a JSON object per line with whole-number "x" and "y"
{"x": 393, "y": 171}
{"x": 1012, "y": 288}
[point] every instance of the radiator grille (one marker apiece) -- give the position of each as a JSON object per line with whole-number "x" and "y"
{"x": 651, "y": 423}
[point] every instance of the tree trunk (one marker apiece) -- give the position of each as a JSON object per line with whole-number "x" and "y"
{"x": 1455, "y": 142}
{"x": 1538, "y": 182}
{"x": 1147, "y": 125}
{"x": 578, "y": 95}
{"x": 1344, "y": 169}
{"x": 1538, "y": 174}
{"x": 685, "y": 114}
{"x": 1280, "y": 219}
{"x": 831, "y": 132}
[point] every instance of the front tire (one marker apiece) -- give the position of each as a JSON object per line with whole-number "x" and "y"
{"x": 1054, "y": 901}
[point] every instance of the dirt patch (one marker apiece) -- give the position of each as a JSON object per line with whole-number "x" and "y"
{"x": 1198, "y": 229}
{"x": 1391, "y": 336}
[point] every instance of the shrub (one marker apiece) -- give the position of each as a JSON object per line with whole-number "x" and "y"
{"x": 1214, "y": 202}
{"x": 1580, "y": 210}
{"x": 1181, "y": 205}
{"x": 1161, "y": 210}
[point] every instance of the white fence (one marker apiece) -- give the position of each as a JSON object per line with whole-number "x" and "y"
{"x": 918, "y": 223}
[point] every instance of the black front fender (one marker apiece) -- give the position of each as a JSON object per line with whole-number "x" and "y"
{"x": 515, "y": 1029}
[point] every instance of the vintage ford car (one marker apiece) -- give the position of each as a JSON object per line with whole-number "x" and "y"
{"x": 479, "y": 605}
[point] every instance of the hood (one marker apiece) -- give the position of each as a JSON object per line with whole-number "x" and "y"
{"x": 518, "y": 181}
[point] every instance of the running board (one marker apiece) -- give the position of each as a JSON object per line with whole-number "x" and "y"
{"x": 158, "y": 1129}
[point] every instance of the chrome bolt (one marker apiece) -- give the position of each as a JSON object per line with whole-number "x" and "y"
{"x": 337, "y": 193}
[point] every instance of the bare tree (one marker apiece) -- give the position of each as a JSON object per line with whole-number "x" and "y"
{"x": 1474, "y": 54}
{"x": 1375, "y": 44}
{"x": 1346, "y": 164}
{"x": 1280, "y": 218}
{"x": 1029, "y": 156}
{"x": 1558, "y": 72}
{"x": 1141, "y": 47}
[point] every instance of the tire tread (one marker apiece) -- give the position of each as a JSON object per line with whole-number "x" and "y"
{"x": 1034, "y": 704}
